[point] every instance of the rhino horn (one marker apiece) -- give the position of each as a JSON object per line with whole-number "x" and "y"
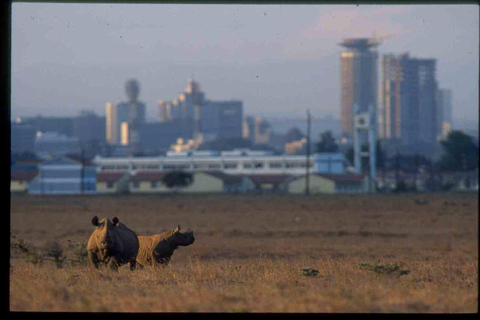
{"x": 177, "y": 229}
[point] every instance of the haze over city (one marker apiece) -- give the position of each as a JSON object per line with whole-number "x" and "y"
{"x": 279, "y": 59}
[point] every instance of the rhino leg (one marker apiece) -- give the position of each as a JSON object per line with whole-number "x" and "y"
{"x": 113, "y": 264}
{"x": 92, "y": 257}
{"x": 162, "y": 260}
{"x": 133, "y": 265}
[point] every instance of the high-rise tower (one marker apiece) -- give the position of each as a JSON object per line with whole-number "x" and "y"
{"x": 199, "y": 117}
{"x": 408, "y": 96}
{"x": 358, "y": 76}
{"x": 127, "y": 116}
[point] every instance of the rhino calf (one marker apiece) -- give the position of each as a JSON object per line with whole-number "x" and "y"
{"x": 112, "y": 244}
{"x": 159, "y": 248}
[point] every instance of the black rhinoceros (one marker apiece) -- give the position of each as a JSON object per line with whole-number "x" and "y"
{"x": 112, "y": 244}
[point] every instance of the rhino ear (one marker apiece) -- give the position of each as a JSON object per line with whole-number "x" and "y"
{"x": 95, "y": 221}
{"x": 115, "y": 221}
{"x": 177, "y": 229}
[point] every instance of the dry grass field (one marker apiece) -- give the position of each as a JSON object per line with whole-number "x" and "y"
{"x": 250, "y": 251}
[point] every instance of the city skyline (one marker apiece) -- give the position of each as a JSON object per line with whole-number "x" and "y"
{"x": 88, "y": 51}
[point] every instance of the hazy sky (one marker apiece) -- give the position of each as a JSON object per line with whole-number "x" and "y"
{"x": 278, "y": 59}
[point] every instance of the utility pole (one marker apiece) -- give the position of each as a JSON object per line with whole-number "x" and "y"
{"x": 41, "y": 179}
{"x": 307, "y": 176}
{"x": 397, "y": 167}
{"x": 416, "y": 167}
{"x": 465, "y": 172}
{"x": 82, "y": 170}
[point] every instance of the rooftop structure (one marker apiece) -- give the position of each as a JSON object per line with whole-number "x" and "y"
{"x": 360, "y": 44}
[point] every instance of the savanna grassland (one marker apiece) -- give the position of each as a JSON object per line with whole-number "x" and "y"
{"x": 250, "y": 251}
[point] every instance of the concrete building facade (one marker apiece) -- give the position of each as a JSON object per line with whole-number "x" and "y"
{"x": 122, "y": 112}
{"x": 445, "y": 112}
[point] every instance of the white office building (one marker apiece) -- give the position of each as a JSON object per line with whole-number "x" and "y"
{"x": 236, "y": 162}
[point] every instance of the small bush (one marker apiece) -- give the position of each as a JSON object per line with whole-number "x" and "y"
{"x": 309, "y": 272}
{"x": 80, "y": 254}
{"x": 385, "y": 269}
{"x": 25, "y": 249}
{"x": 54, "y": 252}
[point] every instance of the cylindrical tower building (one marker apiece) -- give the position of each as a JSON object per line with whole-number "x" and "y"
{"x": 358, "y": 76}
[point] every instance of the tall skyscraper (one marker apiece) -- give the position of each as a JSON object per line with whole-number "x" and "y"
{"x": 220, "y": 119}
{"x": 408, "y": 99}
{"x": 358, "y": 76}
{"x": 201, "y": 117}
{"x": 182, "y": 109}
{"x": 131, "y": 112}
{"x": 444, "y": 108}
{"x": 183, "y": 106}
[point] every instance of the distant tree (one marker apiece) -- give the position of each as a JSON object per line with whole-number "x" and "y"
{"x": 327, "y": 143}
{"x": 401, "y": 187}
{"x": 293, "y": 134}
{"x": 460, "y": 152}
{"x": 380, "y": 155}
{"x": 412, "y": 162}
{"x": 177, "y": 179}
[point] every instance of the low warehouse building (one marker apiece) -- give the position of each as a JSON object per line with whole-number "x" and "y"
{"x": 329, "y": 183}
{"x": 204, "y": 182}
{"x": 147, "y": 182}
{"x": 63, "y": 175}
{"x": 20, "y": 179}
{"x": 112, "y": 182}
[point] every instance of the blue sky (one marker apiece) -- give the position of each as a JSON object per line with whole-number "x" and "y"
{"x": 279, "y": 59}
